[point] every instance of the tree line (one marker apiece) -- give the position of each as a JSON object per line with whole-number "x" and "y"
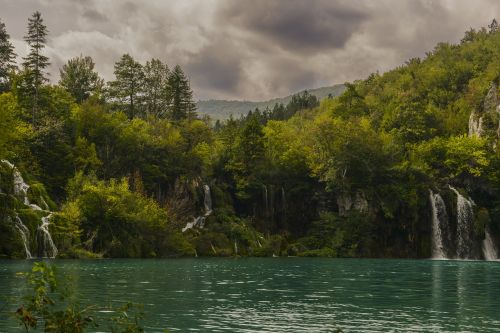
{"x": 149, "y": 90}
{"x": 125, "y": 163}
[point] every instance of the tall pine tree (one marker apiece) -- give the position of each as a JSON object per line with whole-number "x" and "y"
{"x": 182, "y": 105}
{"x": 128, "y": 86}
{"x": 35, "y": 62}
{"x": 7, "y": 57}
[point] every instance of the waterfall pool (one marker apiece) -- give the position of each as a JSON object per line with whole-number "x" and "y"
{"x": 283, "y": 294}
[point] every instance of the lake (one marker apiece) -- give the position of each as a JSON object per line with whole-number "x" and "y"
{"x": 286, "y": 294}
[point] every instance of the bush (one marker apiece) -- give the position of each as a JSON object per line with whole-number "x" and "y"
{"x": 49, "y": 305}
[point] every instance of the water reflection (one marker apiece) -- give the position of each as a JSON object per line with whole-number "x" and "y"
{"x": 290, "y": 295}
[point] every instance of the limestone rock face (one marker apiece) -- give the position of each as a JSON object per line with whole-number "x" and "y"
{"x": 347, "y": 202}
{"x": 486, "y": 121}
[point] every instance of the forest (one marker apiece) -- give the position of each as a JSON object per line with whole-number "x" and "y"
{"x": 127, "y": 168}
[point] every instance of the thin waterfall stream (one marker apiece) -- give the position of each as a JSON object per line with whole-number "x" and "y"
{"x": 207, "y": 205}
{"x": 489, "y": 248}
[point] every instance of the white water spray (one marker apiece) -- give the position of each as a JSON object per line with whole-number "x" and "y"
{"x": 49, "y": 248}
{"x": 490, "y": 251}
{"x": 439, "y": 225}
{"x": 200, "y": 220}
{"x": 465, "y": 216}
{"x": 25, "y": 235}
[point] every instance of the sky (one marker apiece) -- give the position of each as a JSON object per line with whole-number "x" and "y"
{"x": 249, "y": 49}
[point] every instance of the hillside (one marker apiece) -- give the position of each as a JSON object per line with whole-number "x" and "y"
{"x": 401, "y": 164}
{"x": 221, "y": 109}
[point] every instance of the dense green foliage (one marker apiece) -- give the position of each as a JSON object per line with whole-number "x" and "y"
{"x": 126, "y": 162}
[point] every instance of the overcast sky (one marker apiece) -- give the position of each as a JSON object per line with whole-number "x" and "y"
{"x": 249, "y": 49}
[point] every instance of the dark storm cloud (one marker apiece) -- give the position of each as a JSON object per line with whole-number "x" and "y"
{"x": 253, "y": 49}
{"x": 295, "y": 25}
{"x": 219, "y": 68}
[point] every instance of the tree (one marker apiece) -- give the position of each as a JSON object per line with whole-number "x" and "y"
{"x": 182, "y": 104}
{"x": 7, "y": 57}
{"x": 493, "y": 26}
{"x": 247, "y": 160}
{"x": 156, "y": 88}
{"x": 35, "y": 62}
{"x": 12, "y": 130}
{"x": 79, "y": 78}
{"x": 128, "y": 84}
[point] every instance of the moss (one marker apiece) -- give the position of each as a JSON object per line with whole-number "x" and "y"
{"x": 324, "y": 252}
{"x": 79, "y": 253}
{"x": 6, "y": 179}
{"x": 482, "y": 219}
{"x": 10, "y": 241}
{"x": 212, "y": 243}
{"x": 271, "y": 246}
{"x": 38, "y": 195}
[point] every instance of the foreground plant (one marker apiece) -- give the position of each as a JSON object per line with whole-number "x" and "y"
{"x": 49, "y": 305}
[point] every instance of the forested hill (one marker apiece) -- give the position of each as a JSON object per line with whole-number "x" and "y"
{"x": 401, "y": 164}
{"x": 222, "y": 109}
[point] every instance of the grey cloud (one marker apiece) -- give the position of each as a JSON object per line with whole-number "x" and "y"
{"x": 295, "y": 25}
{"x": 218, "y": 66}
{"x": 94, "y": 16}
{"x": 253, "y": 49}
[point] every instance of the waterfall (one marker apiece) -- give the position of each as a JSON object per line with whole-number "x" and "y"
{"x": 283, "y": 199}
{"x": 47, "y": 241}
{"x": 264, "y": 188}
{"x": 465, "y": 216}
{"x": 20, "y": 186}
{"x": 21, "y": 190}
{"x": 207, "y": 200}
{"x": 489, "y": 248}
{"x": 440, "y": 228}
{"x": 25, "y": 235}
{"x": 207, "y": 205}
{"x": 235, "y": 247}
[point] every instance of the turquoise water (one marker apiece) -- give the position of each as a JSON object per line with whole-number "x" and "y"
{"x": 287, "y": 294}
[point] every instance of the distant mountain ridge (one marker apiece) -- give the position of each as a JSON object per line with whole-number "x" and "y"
{"x": 222, "y": 109}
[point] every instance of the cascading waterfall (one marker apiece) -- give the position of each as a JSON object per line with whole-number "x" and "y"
{"x": 49, "y": 248}
{"x": 489, "y": 249}
{"x": 465, "y": 241}
{"x": 25, "y": 234}
{"x": 21, "y": 190}
{"x": 440, "y": 227}
{"x": 465, "y": 216}
{"x": 207, "y": 204}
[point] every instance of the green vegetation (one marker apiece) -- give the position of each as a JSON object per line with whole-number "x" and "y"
{"x": 223, "y": 109}
{"x": 50, "y": 304}
{"x": 123, "y": 163}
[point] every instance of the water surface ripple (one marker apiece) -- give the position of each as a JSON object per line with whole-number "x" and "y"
{"x": 285, "y": 294}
